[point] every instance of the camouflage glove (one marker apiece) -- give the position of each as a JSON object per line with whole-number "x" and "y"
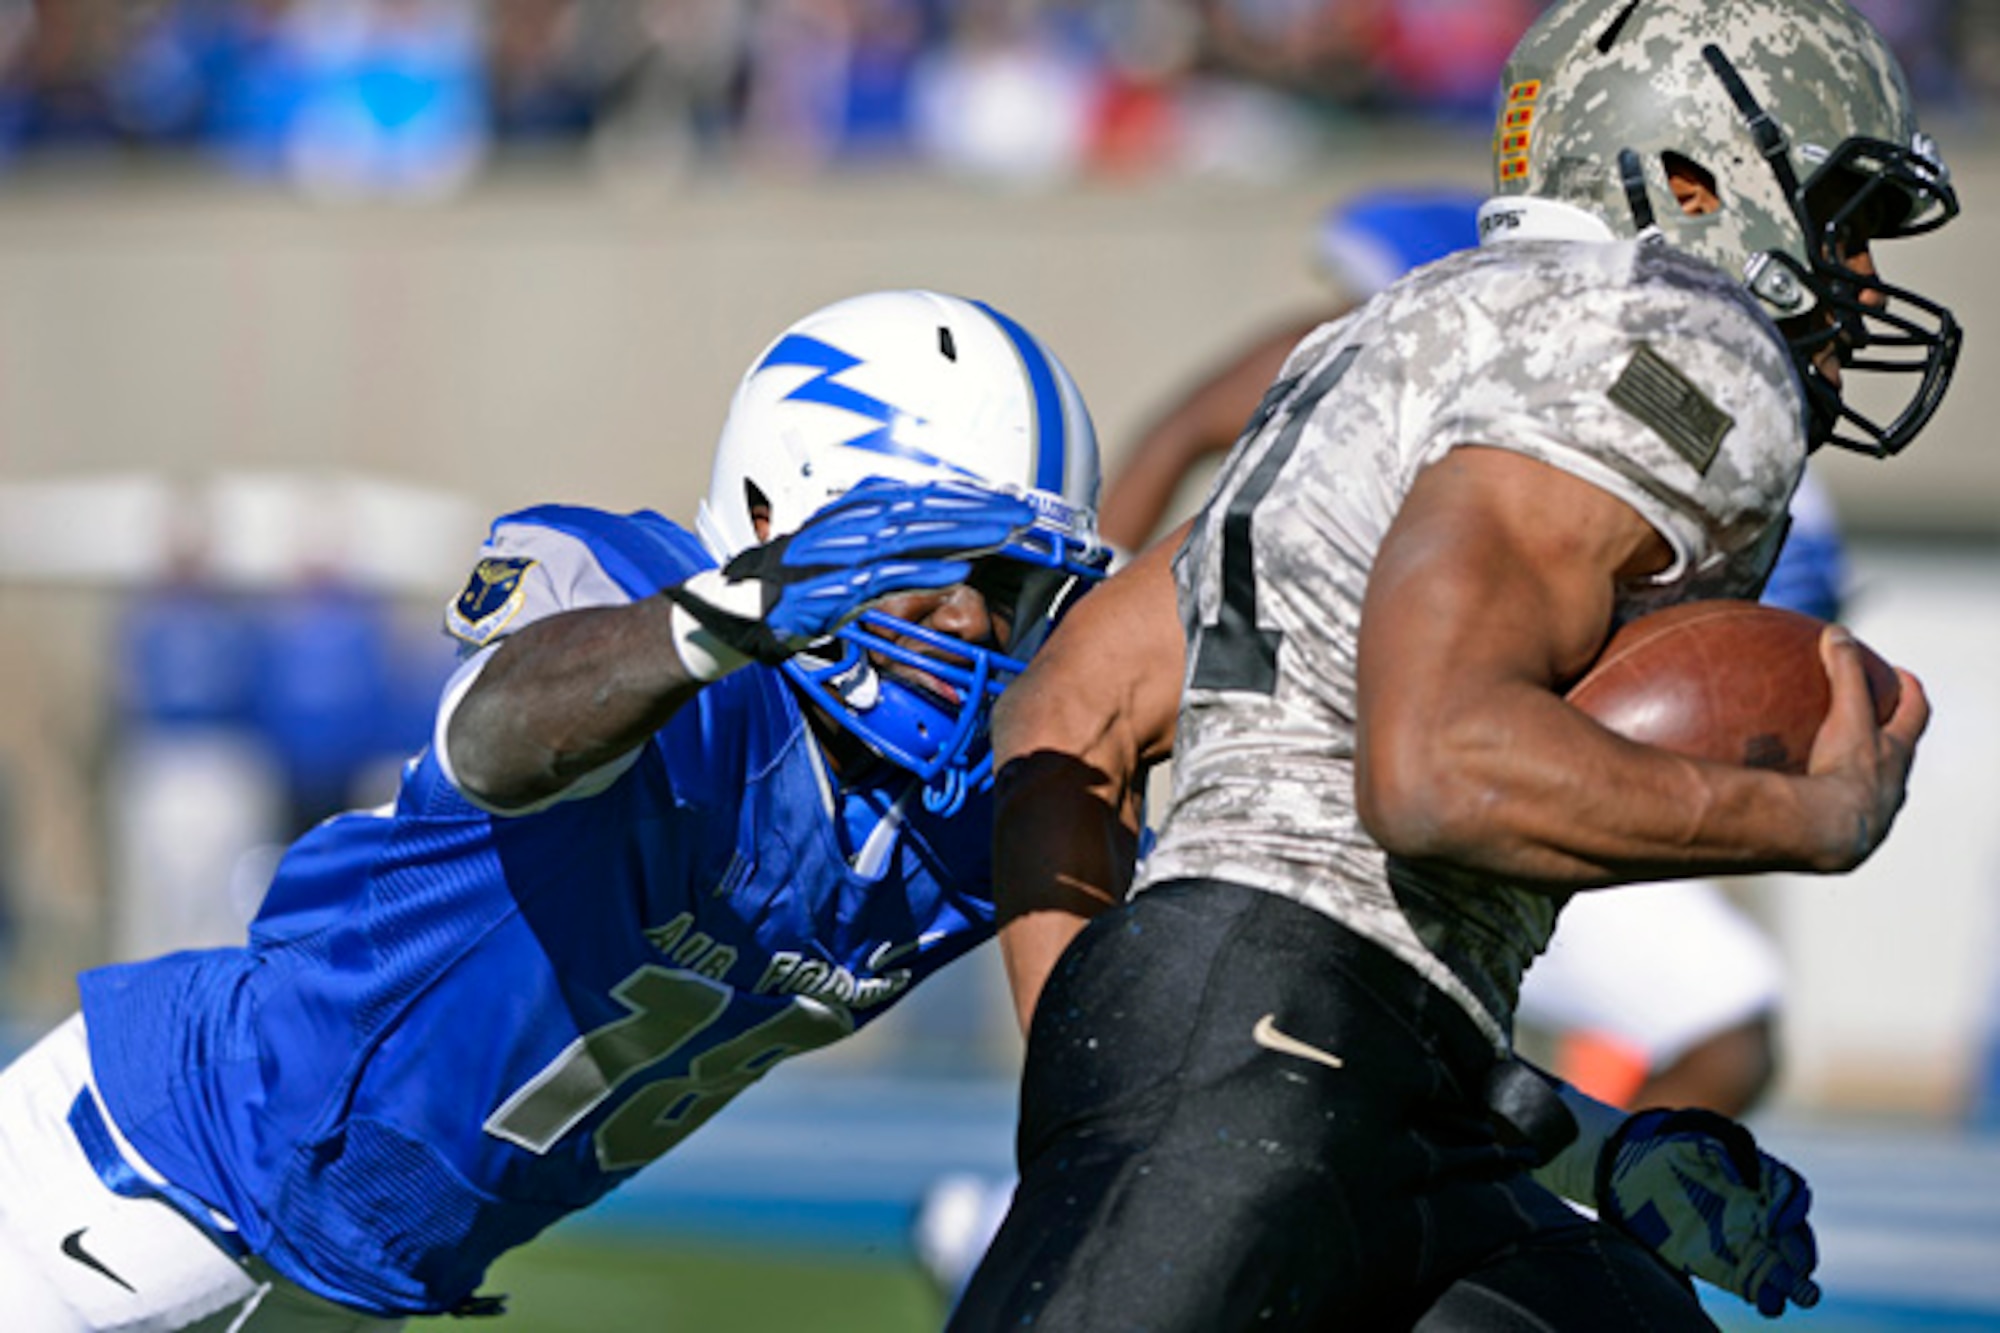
{"x": 1694, "y": 1187}
{"x": 879, "y": 538}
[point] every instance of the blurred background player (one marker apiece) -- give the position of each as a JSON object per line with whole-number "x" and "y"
{"x": 1364, "y": 243}
{"x": 677, "y": 823}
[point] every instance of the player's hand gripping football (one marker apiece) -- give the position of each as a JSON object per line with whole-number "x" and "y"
{"x": 879, "y": 538}
{"x": 1694, "y": 1187}
{"x": 1863, "y": 768}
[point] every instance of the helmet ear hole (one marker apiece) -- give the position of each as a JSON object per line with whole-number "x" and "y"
{"x": 1693, "y": 184}
{"x": 758, "y": 506}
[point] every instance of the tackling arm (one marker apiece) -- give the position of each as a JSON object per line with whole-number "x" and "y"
{"x": 1493, "y": 588}
{"x": 565, "y": 696}
{"x": 1073, "y": 739}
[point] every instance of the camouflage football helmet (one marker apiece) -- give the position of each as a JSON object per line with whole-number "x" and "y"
{"x": 1798, "y": 115}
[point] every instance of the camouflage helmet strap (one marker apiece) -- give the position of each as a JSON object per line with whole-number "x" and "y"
{"x": 1768, "y": 135}
{"x": 1632, "y": 177}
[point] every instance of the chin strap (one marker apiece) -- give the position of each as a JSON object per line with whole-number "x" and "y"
{"x": 1766, "y": 277}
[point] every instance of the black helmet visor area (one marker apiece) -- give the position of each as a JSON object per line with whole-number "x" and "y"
{"x": 1920, "y": 351}
{"x": 1866, "y": 189}
{"x": 1894, "y": 190}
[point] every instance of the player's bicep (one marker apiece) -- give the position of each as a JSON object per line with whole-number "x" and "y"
{"x": 461, "y": 683}
{"x": 1506, "y": 561}
{"x": 525, "y": 575}
{"x": 1493, "y": 587}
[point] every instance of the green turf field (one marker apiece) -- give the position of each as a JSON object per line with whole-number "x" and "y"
{"x": 593, "y": 1284}
{"x": 608, "y": 1283}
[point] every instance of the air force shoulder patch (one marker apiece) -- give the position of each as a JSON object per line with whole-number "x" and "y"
{"x": 1653, "y": 390}
{"x": 492, "y": 596}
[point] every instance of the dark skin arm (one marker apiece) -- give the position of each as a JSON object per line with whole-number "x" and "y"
{"x": 1493, "y": 589}
{"x": 1073, "y": 740}
{"x": 563, "y": 696}
{"x": 570, "y": 693}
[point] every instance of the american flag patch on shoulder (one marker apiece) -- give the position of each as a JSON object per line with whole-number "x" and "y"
{"x": 1669, "y": 403}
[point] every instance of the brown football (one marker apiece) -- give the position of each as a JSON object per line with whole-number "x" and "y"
{"x": 1732, "y": 681}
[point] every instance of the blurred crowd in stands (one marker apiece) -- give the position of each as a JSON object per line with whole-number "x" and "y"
{"x": 420, "y": 96}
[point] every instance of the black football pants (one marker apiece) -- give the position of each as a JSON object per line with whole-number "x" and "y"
{"x": 1238, "y": 1115}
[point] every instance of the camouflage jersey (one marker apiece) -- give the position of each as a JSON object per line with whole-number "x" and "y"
{"x": 1632, "y": 366}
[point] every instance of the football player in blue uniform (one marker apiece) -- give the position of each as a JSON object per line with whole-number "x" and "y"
{"x": 677, "y": 823}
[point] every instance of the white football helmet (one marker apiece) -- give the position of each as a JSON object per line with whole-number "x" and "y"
{"x": 915, "y": 386}
{"x": 1798, "y": 114}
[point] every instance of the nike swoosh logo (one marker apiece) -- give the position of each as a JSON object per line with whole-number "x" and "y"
{"x": 72, "y": 1245}
{"x": 1266, "y": 1034}
{"x": 891, "y": 953}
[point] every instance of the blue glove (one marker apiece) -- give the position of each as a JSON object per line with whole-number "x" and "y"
{"x": 879, "y": 538}
{"x": 1694, "y": 1187}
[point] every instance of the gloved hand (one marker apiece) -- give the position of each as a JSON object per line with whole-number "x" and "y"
{"x": 881, "y": 537}
{"x": 1694, "y": 1187}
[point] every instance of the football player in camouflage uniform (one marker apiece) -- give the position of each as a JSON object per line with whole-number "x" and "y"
{"x": 1273, "y": 1090}
{"x": 1666, "y": 997}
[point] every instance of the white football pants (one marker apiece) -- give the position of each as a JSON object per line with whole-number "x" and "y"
{"x": 77, "y": 1258}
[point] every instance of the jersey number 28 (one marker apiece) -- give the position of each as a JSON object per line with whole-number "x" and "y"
{"x": 669, "y": 1009}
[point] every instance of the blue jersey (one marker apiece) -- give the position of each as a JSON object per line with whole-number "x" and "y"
{"x": 448, "y": 1029}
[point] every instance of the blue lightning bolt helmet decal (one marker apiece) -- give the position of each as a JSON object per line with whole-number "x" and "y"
{"x": 825, "y": 388}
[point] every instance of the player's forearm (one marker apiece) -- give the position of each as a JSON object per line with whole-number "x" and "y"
{"x": 1030, "y": 945}
{"x": 1065, "y": 818}
{"x": 564, "y": 696}
{"x": 1073, "y": 740}
{"x": 1527, "y": 788}
{"x": 1493, "y": 590}
{"x": 1063, "y": 852}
